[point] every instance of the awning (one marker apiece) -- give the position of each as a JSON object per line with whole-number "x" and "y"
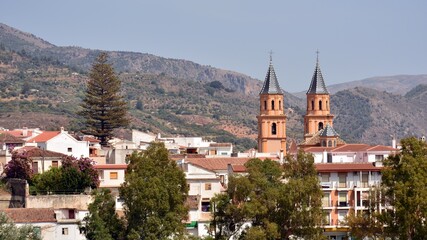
{"x": 192, "y": 224}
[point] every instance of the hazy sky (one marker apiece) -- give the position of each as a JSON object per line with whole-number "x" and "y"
{"x": 356, "y": 39}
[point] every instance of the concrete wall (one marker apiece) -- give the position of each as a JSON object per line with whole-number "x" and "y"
{"x": 78, "y": 202}
{"x": 63, "y": 141}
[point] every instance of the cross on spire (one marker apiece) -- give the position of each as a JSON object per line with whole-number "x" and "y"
{"x": 317, "y": 57}
{"x": 271, "y": 56}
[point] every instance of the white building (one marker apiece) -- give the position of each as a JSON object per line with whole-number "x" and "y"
{"x": 61, "y": 142}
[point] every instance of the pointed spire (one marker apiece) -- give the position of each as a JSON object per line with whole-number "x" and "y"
{"x": 317, "y": 85}
{"x": 271, "y": 85}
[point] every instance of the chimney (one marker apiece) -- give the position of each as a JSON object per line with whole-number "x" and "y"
{"x": 393, "y": 141}
{"x": 62, "y": 129}
{"x": 24, "y": 131}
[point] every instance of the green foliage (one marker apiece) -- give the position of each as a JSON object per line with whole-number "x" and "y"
{"x": 405, "y": 179}
{"x": 154, "y": 193}
{"x": 103, "y": 107}
{"x": 10, "y": 231}
{"x": 278, "y": 201}
{"x": 73, "y": 176}
{"x": 102, "y": 222}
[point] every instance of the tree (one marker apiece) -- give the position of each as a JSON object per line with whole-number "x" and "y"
{"x": 102, "y": 222}
{"x": 18, "y": 167}
{"x": 271, "y": 202}
{"x": 404, "y": 178}
{"x": 103, "y": 107}
{"x": 154, "y": 194}
{"x": 139, "y": 105}
{"x": 10, "y": 231}
{"x": 74, "y": 175}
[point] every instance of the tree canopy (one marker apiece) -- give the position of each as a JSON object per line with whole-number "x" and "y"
{"x": 104, "y": 108}
{"x": 102, "y": 222}
{"x": 272, "y": 202}
{"x": 154, "y": 195}
{"x": 9, "y": 231}
{"x": 74, "y": 175}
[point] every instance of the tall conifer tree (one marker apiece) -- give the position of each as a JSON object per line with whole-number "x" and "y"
{"x": 103, "y": 106}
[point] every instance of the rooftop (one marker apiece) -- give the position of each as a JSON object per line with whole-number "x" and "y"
{"x": 30, "y": 215}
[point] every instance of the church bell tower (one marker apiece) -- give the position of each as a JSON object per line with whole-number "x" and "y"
{"x": 318, "y": 113}
{"x": 271, "y": 119}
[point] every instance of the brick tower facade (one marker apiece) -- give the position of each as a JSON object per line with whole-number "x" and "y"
{"x": 272, "y": 119}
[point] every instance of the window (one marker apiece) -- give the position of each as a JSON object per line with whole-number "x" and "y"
{"x": 325, "y": 177}
{"x": 327, "y": 219}
{"x": 329, "y": 143}
{"x": 341, "y": 217}
{"x": 379, "y": 158}
{"x": 69, "y": 149}
{"x": 222, "y": 179}
{"x": 320, "y": 126}
{"x": 327, "y": 106}
{"x": 265, "y": 105}
{"x": 35, "y": 167}
{"x": 273, "y": 129}
{"x": 325, "y": 200}
{"x": 280, "y": 105}
{"x": 113, "y": 175}
{"x": 329, "y": 156}
{"x": 64, "y": 231}
{"x": 320, "y": 105}
{"x": 206, "y": 206}
{"x": 71, "y": 214}
{"x": 342, "y": 199}
{"x": 365, "y": 178}
{"x": 101, "y": 174}
{"x": 323, "y": 143}
{"x": 208, "y": 186}
{"x": 272, "y": 104}
{"x": 54, "y": 164}
{"x": 312, "y": 105}
{"x": 342, "y": 180}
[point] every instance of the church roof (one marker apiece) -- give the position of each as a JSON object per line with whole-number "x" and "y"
{"x": 271, "y": 85}
{"x": 328, "y": 131}
{"x": 317, "y": 85}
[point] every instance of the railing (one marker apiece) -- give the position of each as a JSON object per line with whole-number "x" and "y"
{"x": 326, "y": 184}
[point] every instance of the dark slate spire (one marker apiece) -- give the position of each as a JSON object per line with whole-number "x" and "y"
{"x": 328, "y": 131}
{"x": 271, "y": 85}
{"x": 317, "y": 85}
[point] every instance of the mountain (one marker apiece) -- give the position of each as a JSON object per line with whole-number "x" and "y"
{"x": 370, "y": 116}
{"x": 42, "y": 85}
{"x": 399, "y": 84}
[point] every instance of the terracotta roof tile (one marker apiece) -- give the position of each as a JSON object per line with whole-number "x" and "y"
{"x": 6, "y": 137}
{"x": 346, "y": 167}
{"x": 37, "y": 152}
{"x": 382, "y": 148}
{"x": 45, "y": 136}
{"x": 351, "y": 148}
{"x": 91, "y": 139}
{"x": 30, "y": 215}
{"x": 238, "y": 168}
{"x": 217, "y": 163}
{"x": 110, "y": 166}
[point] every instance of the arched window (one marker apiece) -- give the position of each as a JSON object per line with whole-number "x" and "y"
{"x": 320, "y": 105}
{"x": 273, "y": 129}
{"x": 280, "y": 105}
{"x": 265, "y": 105}
{"x": 312, "y": 105}
{"x": 272, "y": 104}
{"x": 320, "y": 126}
{"x": 323, "y": 143}
{"x": 329, "y": 143}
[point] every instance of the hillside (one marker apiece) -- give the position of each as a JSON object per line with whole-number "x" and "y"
{"x": 42, "y": 85}
{"x": 371, "y": 116}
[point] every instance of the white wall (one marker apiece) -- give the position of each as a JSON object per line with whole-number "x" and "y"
{"x": 106, "y": 181}
{"x": 63, "y": 141}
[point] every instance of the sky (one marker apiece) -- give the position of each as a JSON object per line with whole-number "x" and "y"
{"x": 356, "y": 39}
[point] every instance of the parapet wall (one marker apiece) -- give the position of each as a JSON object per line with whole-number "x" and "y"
{"x": 79, "y": 202}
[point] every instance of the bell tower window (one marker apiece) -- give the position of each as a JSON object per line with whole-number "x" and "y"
{"x": 273, "y": 129}
{"x": 265, "y": 105}
{"x": 280, "y": 105}
{"x": 320, "y": 126}
{"x": 320, "y": 105}
{"x": 312, "y": 105}
{"x": 272, "y": 104}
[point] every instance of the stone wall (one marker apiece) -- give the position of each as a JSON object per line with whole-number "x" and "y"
{"x": 79, "y": 202}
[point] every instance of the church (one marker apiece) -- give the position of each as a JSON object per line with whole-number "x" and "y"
{"x": 318, "y": 120}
